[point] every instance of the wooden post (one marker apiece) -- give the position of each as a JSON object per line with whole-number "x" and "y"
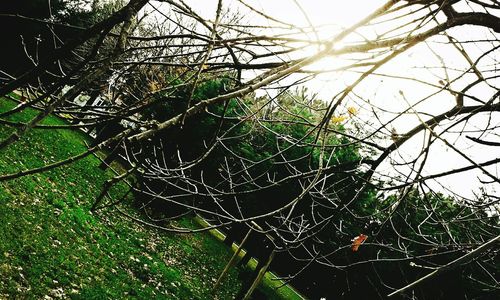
{"x": 231, "y": 261}
{"x": 259, "y": 277}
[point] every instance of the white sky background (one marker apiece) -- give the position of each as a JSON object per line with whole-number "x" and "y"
{"x": 329, "y": 17}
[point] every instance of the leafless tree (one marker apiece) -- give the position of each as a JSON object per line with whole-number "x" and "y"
{"x": 413, "y": 88}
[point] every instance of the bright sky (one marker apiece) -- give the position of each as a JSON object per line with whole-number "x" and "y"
{"x": 319, "y": 11}
{"x": 331, "y": 15}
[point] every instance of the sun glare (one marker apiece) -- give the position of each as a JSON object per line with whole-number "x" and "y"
{"x": 321, "y": 20}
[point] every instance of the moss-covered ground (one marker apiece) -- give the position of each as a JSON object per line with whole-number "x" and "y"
{"x": 52, "y": 247}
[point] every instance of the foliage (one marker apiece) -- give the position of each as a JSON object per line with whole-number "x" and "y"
{"x": 275, "y": 144}
{"x": 433, "y": 229}
{"x": 30, "y": 41}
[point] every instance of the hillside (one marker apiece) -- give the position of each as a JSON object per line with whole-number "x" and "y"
{"x": 53, "y": 247}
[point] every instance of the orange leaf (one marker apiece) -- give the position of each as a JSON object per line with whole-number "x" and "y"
{"x": 357, "y": 241}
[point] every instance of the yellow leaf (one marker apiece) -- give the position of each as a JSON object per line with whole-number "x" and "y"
{"x": 352, "y": 111}
{"x": 338, "y": 119}
{"x": 154, "y": 86}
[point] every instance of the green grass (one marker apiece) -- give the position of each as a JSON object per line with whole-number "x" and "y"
{"x": 51, "y": 245}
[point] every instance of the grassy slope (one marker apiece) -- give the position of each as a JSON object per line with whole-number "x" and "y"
{"x": 52, "y": 247}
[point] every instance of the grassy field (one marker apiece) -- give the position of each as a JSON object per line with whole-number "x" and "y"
{"x": 52, "y": 247}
